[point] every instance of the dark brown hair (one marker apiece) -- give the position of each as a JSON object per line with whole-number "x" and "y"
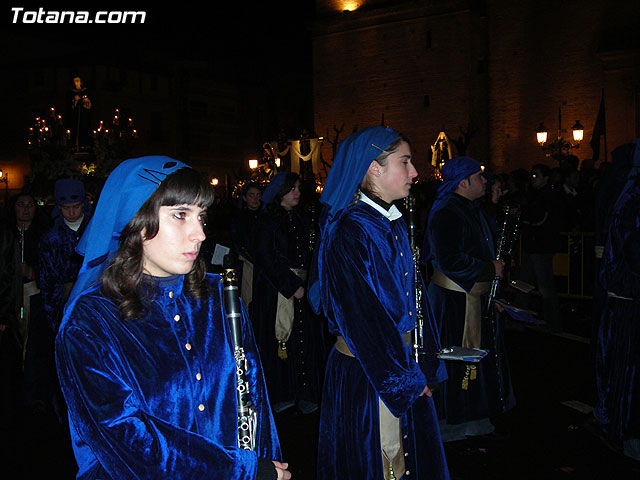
{"x": 122, "y": 281}
{"x": 289, "y": 182}
{"x": 382, "y": 160}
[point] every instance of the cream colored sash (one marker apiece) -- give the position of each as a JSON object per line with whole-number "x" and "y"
{"x": 472, "y": 335}
{"x": 390, "y": 432}
{"x": 286, "y": 310}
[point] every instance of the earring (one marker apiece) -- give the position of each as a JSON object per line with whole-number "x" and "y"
{"x": 378, "y": 173}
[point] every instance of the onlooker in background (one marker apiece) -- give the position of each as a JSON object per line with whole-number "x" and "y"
{"x": 27, "y": 223}
{"x": 243, "y": 233}
{"x": 540, "y": 241}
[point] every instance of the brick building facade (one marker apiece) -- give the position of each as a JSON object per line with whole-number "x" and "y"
{"x": 493, "y": 68}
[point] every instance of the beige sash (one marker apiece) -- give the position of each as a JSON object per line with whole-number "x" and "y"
{"x": 390, "y": 432}
{"x": 286, "y": 310}
{"x": 613, "y": 295}
{"x": 246, "y": 289}
{"x": 471, "y": 337}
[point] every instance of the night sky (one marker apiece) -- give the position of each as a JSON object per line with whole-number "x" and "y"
{"x": 254, "y": 35}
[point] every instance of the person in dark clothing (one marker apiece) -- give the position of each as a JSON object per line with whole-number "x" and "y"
{"x": 540, "y": 222}
{"x": 59, "y": 262}
{"x": 618, "y": 340}
{"x": 243, "y": 233}
{"x": 461, "y": 244}
{"x": 288, "y": 334}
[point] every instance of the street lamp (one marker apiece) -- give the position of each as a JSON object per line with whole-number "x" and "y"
{"x": 559, "y": 145}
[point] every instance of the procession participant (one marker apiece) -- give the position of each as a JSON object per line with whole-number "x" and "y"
{"x": 144, "y": 353}
{"x": 460, "y": 245}
{"x": 288, "y": 334}
{"x": 377, "y": 418}
{"x": 59, "y": 262}
{"x": 58, "y": 266}
{"x": 617, "y": 352}
{"x": 242, "y": 235}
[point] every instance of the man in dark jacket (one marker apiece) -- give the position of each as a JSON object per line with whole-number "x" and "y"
{"x": 541, "y": 217}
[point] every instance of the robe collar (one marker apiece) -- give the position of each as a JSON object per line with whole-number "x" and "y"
{"x": 391, "y": 213}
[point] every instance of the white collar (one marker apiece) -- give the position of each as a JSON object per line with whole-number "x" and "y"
{"x": 74, "y": 225}
{"x": 392, "y": 214}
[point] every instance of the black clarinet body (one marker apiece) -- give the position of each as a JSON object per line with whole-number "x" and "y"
{"x": 418, "y": 332}
{"x": 504, "y": 247}
{"x": 247, "y": 415}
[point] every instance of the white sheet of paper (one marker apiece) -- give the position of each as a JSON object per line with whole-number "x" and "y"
{"x": 218, "y": 254}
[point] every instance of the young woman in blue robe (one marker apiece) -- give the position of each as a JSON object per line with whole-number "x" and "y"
{"x": 288, "y": 334}
{"x": 377, "y": 418}
{"x": 144, "y": 353}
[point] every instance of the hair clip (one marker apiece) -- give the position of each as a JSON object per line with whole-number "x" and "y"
{"x": 381, "y": 149}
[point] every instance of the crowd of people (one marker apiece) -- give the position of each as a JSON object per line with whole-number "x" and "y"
{"x": 115, "y": 320}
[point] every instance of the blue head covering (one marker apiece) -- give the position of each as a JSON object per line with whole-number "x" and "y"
{"x": 353, "y": 157}
{"x": 68, "y": 190}
{"x": 453, "y": 172}
{"x": 273, "y": 188}
{"x": 127, "y": 188}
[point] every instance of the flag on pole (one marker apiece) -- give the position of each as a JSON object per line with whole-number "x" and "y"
{"x": 599, "y": 129}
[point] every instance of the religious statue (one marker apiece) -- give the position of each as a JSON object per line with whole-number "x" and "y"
{"x": 440, "y": 150}
{"x": 80, "y": 106}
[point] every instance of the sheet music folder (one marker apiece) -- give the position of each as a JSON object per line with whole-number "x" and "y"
{"x": 461, "y": 354}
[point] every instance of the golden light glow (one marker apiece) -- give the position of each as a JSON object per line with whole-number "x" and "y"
{"x": 253, "y": 164}
{"x": 278, "y": 162}
{"x": 350, "y": 6}
{"x": 214, "y": 181}
{"x": 578, "y": 135}
{"x": 578, "y": 131}
{"x": 542, "y": 137}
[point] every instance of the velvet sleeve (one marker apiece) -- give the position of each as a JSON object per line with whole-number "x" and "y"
{"x": 367, "y": 320}
{"x": 272, "y": 259}
{"x": 51, "y": 281}
{"x": 447, "y": 234}
{"x": 125, "y": 438}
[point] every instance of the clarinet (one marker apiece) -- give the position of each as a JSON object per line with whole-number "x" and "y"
{"x": 418, "y": 331}
{"x": 247, "y": 415}
{"x": 503, "y": 244}
{"x": 21, "y": 262}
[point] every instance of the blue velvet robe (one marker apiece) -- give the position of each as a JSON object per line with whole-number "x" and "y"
{"x": 59, "y": 264}
{"x": 618, "y": 343}
{"x": 155, "y": 397}
{"x": 367, "y": 295}
{"x": 282, "y": 243}
{"x": 461, "y": 244}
